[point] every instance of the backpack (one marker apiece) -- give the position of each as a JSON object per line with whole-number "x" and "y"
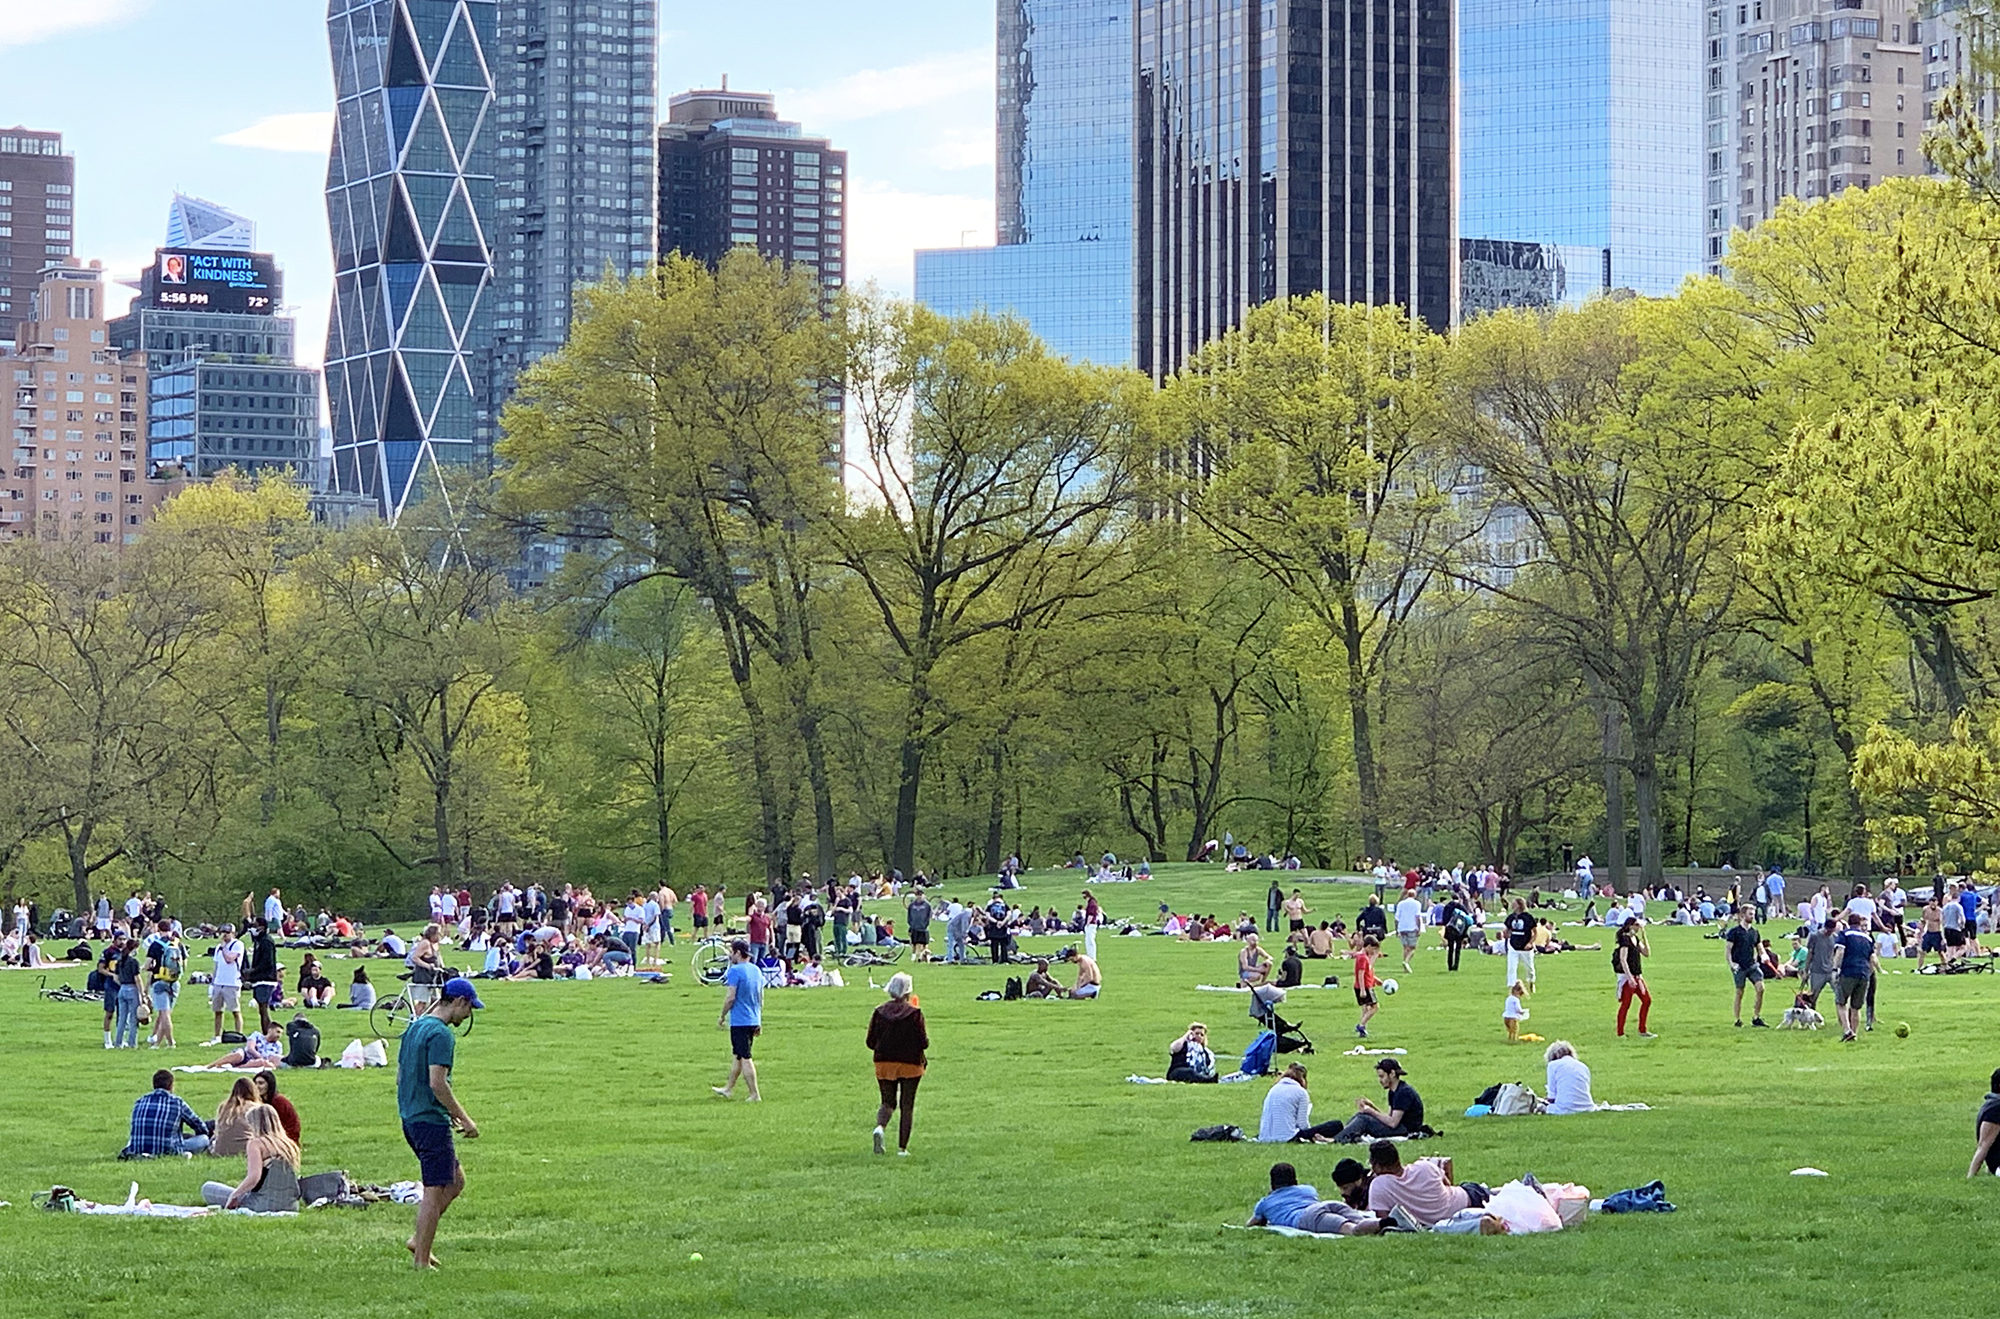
{"x": 1218, "y": 1133}
{"x": 1515, "y": 1100}
{"x": 1013, "y": 989}
{"x": 170, "y": 962}
{"x": 1257, "y": 1058}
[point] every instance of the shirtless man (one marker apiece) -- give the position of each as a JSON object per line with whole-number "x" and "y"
{"x": 1088, "y": 979}
{"x": 1319, "y": 942}
{"x": 1932, "y": 938}
{"x": 1295, "y": 912}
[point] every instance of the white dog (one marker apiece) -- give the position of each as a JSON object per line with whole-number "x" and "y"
{"x": 1801, "y": 1017}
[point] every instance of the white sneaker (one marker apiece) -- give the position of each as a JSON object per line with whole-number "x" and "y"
{"x": 880, "y": 1147}
{"x": 902, "y": 1154}
{"x": 210, "y": 1044}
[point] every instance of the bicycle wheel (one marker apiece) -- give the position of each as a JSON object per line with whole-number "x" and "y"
{"x": 709, "y": 963}
{"x": 389, "y": 1016}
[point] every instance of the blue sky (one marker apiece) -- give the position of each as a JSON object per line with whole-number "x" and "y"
{"x": 229, "y": 100}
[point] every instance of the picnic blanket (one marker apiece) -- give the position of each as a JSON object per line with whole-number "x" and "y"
{"x": 1244, "y": 989}
{"x": 1230, "y": 1079}
{"x": 1362, "y": 1051}
{"x": 1285, "y": 1231}
{"x": 223, "y": 1071}
{"x": 134, "y": 1207}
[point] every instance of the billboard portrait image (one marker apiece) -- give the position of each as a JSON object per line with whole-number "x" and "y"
{"x": 173, "y": 268}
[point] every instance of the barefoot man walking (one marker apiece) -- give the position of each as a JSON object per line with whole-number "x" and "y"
{"x": 429, "y": 1109}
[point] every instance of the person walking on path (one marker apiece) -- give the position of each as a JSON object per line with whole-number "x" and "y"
{"x": 429, "y": 1109}
{"x": 743, "y": 1014}
{"x": 897, "y": 1036}
{"x": 1745, "y": 946}
{"x": 1628, "y": 960}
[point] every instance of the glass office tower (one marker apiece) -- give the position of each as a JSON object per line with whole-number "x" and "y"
{"x": 1580, "y": 144}
{"x": 409, "y": 197}
{"x": 1063, "y": 184}
{"x": 1289, "y": 147}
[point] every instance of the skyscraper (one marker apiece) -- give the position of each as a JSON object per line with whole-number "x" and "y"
{"x": 1807, "y": 98}
{"x": 1286, "y": 147}
{"x": 1063, "y": 185}
{"x": 577, "y": 113}
{"x": 223, "y": 387}
{"x": 76, "y": 462}
{"x": 194, "y": 224}
{"x": 409, "y": 201}
{"x": 733, "y": 174}
{"x": 1580, "y": 145}
{"x": 37, "y": 207}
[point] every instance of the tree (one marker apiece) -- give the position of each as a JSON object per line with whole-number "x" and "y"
{"x": 94, "y": 650}
{"x": 423, "y": 636}
{"x": 684, "y": 431}
{"x": 996, "y": 483}
{"x": 1319, "y": 425}
{"x": 1620, "y": 434}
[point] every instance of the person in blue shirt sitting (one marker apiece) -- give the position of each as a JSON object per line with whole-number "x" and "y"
{"x": 158, "y": 1119}
{"x": 1292, "y": 1205}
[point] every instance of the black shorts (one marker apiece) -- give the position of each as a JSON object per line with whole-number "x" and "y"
{"x": 700, "y": 921}
{"x": 921, "y": 938}
{"x": 1364, "y": 998}
{"x": 263, "y": 994}
{"x": 437, "y": 1158}
{"x": 1954, "y": 938}
{"x": 739, "y": 1040}
{"x": 1297, "y": 926}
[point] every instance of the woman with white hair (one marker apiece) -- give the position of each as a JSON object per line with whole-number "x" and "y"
{"x": 1569, "y": 1080}
{"x": 896, "y": 1035}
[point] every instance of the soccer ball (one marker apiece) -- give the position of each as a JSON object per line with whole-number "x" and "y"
{"x": 1902, "y": 1030}
{"x": 1389, "y": 986}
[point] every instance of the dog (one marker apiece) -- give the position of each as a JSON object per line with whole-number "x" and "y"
{"x": 1801, "y": 1015}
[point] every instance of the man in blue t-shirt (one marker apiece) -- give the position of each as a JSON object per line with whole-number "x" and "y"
{"x": 1292, "y": 1205}
{"x": 743, "y": 1013}
{"x": 425, "y": 1102}
{"x": 1858, "y": 968}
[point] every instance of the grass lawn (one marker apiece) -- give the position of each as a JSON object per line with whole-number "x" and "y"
{"x": 1040, "y": 1181}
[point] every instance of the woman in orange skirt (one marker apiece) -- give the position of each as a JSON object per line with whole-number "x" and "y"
{"x": 897, "y": 1036}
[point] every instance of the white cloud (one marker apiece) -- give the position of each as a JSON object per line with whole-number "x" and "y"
{"x": 24, "y": 22}
{"x": 308, "y": 132}
{"x": 886, "y": 226}
{"x": 962, "y": 148}
{"x": 912, "y": 86}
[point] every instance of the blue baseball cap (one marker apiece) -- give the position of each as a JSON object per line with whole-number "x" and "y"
{"x": 460, "y": 987}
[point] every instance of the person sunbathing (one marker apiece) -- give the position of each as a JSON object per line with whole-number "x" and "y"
{"x": 265, "y": 1049}
{"x": 1292, "y": 1205}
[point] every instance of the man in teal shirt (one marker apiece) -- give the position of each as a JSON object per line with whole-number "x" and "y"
{"x": 425, "y": 1102}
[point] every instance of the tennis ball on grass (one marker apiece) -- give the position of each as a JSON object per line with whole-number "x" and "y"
{"x": 1902, "y": 1030}
{"x": 695, "y": 1258}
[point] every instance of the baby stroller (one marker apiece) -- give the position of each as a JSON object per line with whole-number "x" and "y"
{"x": 1291, "y": 1036}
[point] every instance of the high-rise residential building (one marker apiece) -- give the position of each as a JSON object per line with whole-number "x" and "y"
{"x": 75, "y": 469}
{"x": 223, "y": 386}
{"x": 1807, "y": 98}
{"x": 733, "y": 174}
{"x": 1287, "y": 147}
{"x": 1063, "y": 184}
{"x": 410, "y": 203}
{"x": 37, "y": 210}
{"x": 197, "y": 225}
{"x": 577, "y": 113}
{"x": 1580, "y": 149}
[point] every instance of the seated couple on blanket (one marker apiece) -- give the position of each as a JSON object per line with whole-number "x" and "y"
{"x": 1387, "y": 1196}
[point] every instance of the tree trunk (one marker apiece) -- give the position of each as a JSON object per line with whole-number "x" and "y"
{"x": 441, "y": 824}
{"x": 661, "y": 821}
{"x": 769, "y": 833}
{"x": 1646, "y": 801}
{"x": 996, "y": 809}
{"x": 76, "y": 842}
{"x": 1614, "y": 797}
{"x": 825, "y": 861}
{"x": 1364, "y": 745}
{"x": 273, "y": 724}
{"x": 909, "y": 781}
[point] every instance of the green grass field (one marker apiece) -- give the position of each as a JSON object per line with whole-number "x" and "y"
{"x": 1040, "y": 1181}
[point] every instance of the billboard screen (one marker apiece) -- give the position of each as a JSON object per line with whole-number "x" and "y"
{"x": 241, "y": 283}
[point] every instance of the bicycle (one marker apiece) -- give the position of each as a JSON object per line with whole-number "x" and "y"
{"x": 709, "y": 961}
{"x": 65, "y": 994}
{"x": 869, "y": 956}
{"x": 392, "y": 1015}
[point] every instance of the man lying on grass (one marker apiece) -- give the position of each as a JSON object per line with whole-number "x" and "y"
{"x": 1292, "y": 1205}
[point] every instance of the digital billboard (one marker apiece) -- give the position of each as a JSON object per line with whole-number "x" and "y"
{"x": 240, "y": 283}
